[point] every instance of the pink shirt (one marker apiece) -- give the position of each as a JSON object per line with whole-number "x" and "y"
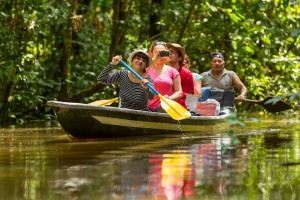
{"x": 162, "y": 83}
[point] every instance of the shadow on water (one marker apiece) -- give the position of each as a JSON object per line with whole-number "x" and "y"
{"x": 41, "y": 162}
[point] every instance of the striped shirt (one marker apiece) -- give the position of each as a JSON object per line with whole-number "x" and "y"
{"x": 133, "y": 95}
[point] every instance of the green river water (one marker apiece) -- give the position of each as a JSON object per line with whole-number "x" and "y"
{"x": 39, "y": 161}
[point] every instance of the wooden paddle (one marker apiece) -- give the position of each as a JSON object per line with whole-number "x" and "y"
{"x": 271, "y": 107}
{"x": 174, "y": 109}
{"x": 104, "y": 102}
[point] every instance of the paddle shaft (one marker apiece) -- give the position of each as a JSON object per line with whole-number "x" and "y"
{"x": 252, "y": 101}
{"x": 138, "y": 76}
{"x": 271, "y": 107}
{"x": 174, "y": 109}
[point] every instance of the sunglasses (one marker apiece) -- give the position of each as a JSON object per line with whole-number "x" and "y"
{"x": 159, "y": 42}
{"x": 174, "y": 52}
{"x": 139, "y": 58}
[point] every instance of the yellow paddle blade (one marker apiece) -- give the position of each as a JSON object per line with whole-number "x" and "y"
{"x": 174, "y": 109}
{"x": 104, "y": 102}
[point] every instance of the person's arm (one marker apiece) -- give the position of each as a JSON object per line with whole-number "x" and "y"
{"x": 202, "y": 83}
{"x": 202, "y": 79}
{"x": 150, "y": 94}
{"x": 240, "y": 86}
{"x": 177, "y": 89}
{"x": 106, "y": 76}
{"x": 198, "y": 84}
{"x": 198, "y": 88}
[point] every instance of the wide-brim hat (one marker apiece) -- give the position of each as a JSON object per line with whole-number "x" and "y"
{"x": 132, "y": 54}
{"x": 180, "y": 48}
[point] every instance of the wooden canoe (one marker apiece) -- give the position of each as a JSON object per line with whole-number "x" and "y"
{"x": 85, "y": 121}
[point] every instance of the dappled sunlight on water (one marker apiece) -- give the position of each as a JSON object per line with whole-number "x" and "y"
{"x": 261, "y": 161}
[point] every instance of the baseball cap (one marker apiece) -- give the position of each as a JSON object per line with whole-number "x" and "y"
{"x": 216, "y": 55}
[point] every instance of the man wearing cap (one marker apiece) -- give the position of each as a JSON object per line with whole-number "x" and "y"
{"x": 218, "y": 78}
{"x": 176, "y": 61}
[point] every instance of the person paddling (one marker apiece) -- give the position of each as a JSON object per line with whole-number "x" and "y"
{"x": 133, "y": 92}
{"x": 221, "y": 79}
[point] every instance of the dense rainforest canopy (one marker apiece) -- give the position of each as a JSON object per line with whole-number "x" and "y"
{"x": 55, "y": 49}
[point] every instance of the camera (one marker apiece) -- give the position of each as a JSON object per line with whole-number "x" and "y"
{"x": 165, "y": 53}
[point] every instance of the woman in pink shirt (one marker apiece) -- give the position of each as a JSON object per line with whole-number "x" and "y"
{"x": 166, "y": 79}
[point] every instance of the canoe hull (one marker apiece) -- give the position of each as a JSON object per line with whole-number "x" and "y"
{"x": 84, "y": 121}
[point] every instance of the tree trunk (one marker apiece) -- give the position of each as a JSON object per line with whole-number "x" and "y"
{"x": 144, "y": 9}
{"x": 154, "y": 18}
{"x": 65, "y": 63}
{"x": 82, "y": 11}
{"x": 120, "y": 19}
{"x": 12, "y": 56}
{"x": 6, "y": 91}
{"x": 186, "y": 21}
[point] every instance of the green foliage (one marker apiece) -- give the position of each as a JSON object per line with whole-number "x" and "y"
{"x": 259, "y": 39}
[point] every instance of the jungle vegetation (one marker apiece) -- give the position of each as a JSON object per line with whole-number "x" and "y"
{"x": 55, "y": 49}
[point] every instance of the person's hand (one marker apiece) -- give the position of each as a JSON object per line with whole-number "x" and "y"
{"x": 116, "y": 60}
{"x": 240, "y": 98}
{"x": 157, "y": 55}
{"x": 169, "y": 97}
{"x": 144, "y": 81}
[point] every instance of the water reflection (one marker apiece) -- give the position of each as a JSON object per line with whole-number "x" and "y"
{"x": 171, "y": 174}
{"x": 42, "y": 163}
{"x": 178, "y": 173}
